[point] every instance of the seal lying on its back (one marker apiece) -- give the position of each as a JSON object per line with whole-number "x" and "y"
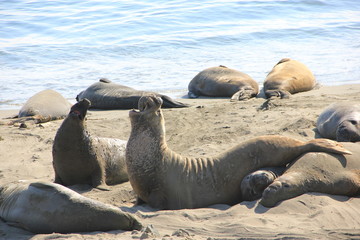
{"x": 79, "y": 158}
{"x": 44, "y": 106}
{"x": 317, "y": 172}
{"x": 108, "y": 95}
{"x": 43, "y": 207}
{"x": 341, "y": 122}
{"x": 223, "y": 82}
{"x": 166, "y": 180}
{"x": 287, "y": 77}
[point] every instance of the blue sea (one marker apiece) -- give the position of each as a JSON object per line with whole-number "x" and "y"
{"x": 160, "y": 45}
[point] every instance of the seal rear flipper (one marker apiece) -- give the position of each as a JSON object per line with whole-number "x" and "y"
{"x": 326, "y": 145}
{"x": 170, "y": 103}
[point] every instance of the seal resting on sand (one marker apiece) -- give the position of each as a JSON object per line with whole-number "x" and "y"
{"x": 167, "y": 180}
{"x": 108, "y": 95}
{"x": 44, "y": 106}
{"x": 253, "y": 185}
{"x": 317, "y": 172}
{"x": 223, "y": 82}
{"x": 79, "y": 158}
{"x": 44, "y": 207}
{"x": 288, "y": 77}
{"x": 341, "y": 122}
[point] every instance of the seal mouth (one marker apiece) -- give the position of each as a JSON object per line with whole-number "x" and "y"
{"x": 80, "y": 109}
{"x": 148, "y": 104}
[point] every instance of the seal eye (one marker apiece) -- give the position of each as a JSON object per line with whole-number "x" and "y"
{"x": 353, "y": 122}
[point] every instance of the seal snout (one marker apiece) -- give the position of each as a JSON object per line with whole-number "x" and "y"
{"x": 149, "y": 103}
{"x": 80, "y": 109}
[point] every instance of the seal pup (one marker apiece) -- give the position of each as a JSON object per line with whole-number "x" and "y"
{"x": 79, "y": 158}
{"x": 44, "y": 106}
{"x": 317, "y": 172}
{"x": 253, "y": 185}
{"x": 223, "y": 82}
{"x": 288, "y": 77}
{"x": 45, "y": 207}
{"x": 167, "y": 180}
{"x": 108, "y": 95}
{"x": 341, "y": 122}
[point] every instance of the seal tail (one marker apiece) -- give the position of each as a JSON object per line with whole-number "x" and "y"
{"x": 326, "y": 145}
{"x": 170, "y": 103}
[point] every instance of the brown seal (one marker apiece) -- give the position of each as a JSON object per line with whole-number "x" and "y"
{"x": 223, "y": 82}
{"x": 44, "y": 106}
{"x": 44, "y": 207}
{"x": 341, "y": 122}
{"x": 105, "y": 94}
{"x": 167, "y": 180}
{"x": 288, "y": 77}
{"x": 79, "y": 158}
{"x": 317, "y": 172}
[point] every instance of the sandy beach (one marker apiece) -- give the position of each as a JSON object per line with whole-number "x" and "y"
{"x": 208, "y": 127}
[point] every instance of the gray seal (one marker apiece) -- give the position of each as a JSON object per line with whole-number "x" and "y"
{"x": 108, "y": 95}
{"x": 341, "y": 122}
{"x": 223, "y": 82}
{"x": 44, "y": 106}
{"x": 288, "y": 77}
{"x": 44, "y": 207}
{"x": 166, "y": 180}
{"x": 317, "y": 172}
{"x": 79, "y": 158}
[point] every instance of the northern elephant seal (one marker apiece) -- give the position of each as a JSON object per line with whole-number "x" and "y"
{"x": 44, "y": 106}
{"x": 44, "y": 207}
{"x": 341, "y": 122}
{"x": 317, "y": 172}
{"x": 223, "y": 82}
{"x": 108, "y": 95}
{"x": 79, "y": 158}
{"x": 287, "y": 77}
{"x": 166, "y": 180}
{"x": 253, "y": 185}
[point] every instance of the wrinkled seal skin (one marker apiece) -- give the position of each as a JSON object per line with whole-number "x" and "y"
{"x": 288, "y": 77}
{"x": 167, "y": 180}
{"x": 223, "y": 82}
{"x": 79, "y": 158}
{"x": 341, "y": 122}
{"x": 44, "y": 207}
{"x": 317, "y": 172}
{"x": 108, "y": 95}
{"x": 253, "y": 185}
{"x": 44, "y": 106}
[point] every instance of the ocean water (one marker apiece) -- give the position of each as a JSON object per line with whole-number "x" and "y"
{"x": 161, "y": 45}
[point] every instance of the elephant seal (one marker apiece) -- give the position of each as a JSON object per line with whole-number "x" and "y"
{"x": 44, "y": 106}
{"x": 288, "y": 77}
{"x": 79, "y": 158}
{"x": 253, "y": 185}
{"x": 108, "y": 95}
{"x": 44, "y": 207}
{"x": 341, "y": 122}
{"x": 223, "y": 82}
{"x": 167, "y": 180}
{"x": 317, "y": 172}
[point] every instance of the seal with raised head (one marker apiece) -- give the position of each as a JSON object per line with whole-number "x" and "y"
{"x": 108, "y": 95}
{"x": 288, "y": 77}
{"x": 341, "y": 122}
{"x": 253, "y": 185}
{"x": 167, "y": 180}
{"x": 79, "y": 158}
{"x": 223, "y": 82}
{"x": 44, "y": 106}
{"x": 317, "y": 172}
{"x": 44, "y": 207}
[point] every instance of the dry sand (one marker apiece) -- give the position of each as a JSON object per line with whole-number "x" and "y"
{"x": 208, "y": 127}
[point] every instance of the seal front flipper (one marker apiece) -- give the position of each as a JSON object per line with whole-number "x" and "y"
{"x": 243, "y": 94}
